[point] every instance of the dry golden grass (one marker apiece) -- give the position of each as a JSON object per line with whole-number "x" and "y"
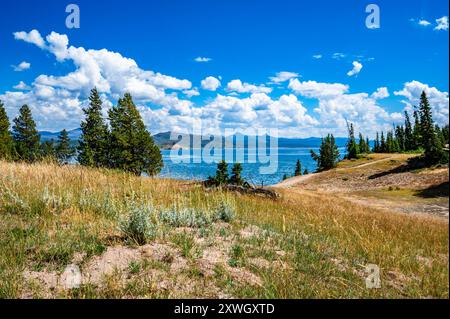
{"x": 49, "y": 213}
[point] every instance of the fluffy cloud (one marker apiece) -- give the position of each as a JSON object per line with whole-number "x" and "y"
{"x": 31, "y": 37}
{"x": 192, "y": 92}
{"x": 110, "y": 72}
{"x": 380, "y": 93}
{"x": 317, "y": 56}
{"x": 424, "y": 23}
{"x": 357, "y": 67}
{"x": 442, "y": 23}
{"x": 336, "y": 105}
{"x": 202, "y": 59}
{"x": 57, "y": 100}
{"x": 313, "y": 89}
{"x": 22, "y": 66}
{"x": 22, "y": 86}
{"x": 210, "y": 83}
{"x": 239, "y": 87}
{"x": 438, "y": 100}
{"x": 284, "y": 76}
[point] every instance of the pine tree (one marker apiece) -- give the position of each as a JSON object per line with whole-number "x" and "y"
{"x": 64, "y": 151}
{"x": 400, "y": 138}
{"x": 48, "y": 150}
{"x": 93, "y": 145}
{"x": 431, "y": 143}
{"x": 6, "y": 141}
{"x": 367, "y": 145}
{"x": 363, "y": 145}
{"x": 305, "y": 172}
{"x": 298, "y": 168}
{"x": 417, "y": 137}
{"x": 409, "y": 138}
{"x": 132, "y": 147}
{"x": 445, "y": 135}
{"x": 328, "y": 156}
{"x": 221, "y": 177}
{"x": 377, "y": 147}
{"x": 383, "y": 146}
{"x": 352, "y": 146}
{"x": 26, "y": 137}
{"x": 236, "y": 175}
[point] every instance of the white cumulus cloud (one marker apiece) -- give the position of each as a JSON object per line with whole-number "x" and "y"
{"x": 424, "y": 23}
{"x": 210, "y": 83}
{"x": 31, "y": 37}
{"x": 357, "y": 67}
{"x": 380, "y": 93}
{"x": 22, "y": 86}
{"x": 439, "y": 101}
{"x": 283, "y": 76}
{"x": 442, "y": 24}
{"x": 21, "y": 66}
{"x": 240, "y": 87}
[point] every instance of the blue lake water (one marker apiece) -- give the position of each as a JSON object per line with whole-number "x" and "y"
{"x": 286, "y": 160}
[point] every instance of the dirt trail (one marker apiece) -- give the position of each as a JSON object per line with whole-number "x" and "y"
{"x": 379, "y": 185}
{"x": 293, "y": 181}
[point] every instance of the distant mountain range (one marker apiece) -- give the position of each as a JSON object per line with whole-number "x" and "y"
{"x": 47, "y": 136}
{"x": 164, "y": 141}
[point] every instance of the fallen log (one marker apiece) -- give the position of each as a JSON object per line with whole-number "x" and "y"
{"x": 263, "y": 192}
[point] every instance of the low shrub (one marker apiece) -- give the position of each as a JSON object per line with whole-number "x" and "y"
{"x": 138, "y": 227}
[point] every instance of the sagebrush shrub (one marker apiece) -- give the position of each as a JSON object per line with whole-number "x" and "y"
{"x": 225, "y": 212}
{"x": 186, "y": 217}
{"x": 138, "y": 227}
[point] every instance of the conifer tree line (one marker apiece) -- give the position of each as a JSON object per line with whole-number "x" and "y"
{"x": 422, "y": 136}
{"x": 223, "y": 177}
{"x": 121, "y": 141}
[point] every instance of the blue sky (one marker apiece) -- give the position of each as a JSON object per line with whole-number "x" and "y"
{"x": 249, "y": 41}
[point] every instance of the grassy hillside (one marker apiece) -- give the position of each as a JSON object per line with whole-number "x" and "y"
{"x": 304, "y": 245}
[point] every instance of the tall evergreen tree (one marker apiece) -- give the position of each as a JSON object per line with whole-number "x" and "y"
{"x": 376, "y": 147}
{"x": 431, "y": 143}
{"x": 352, "y": 146}
{"x": 409, "y": 138}
{"x": 383, "y": 146}
{"x": 48, "y": 150}
{"x": 6, "y": 140}
{"x": 400, "y": 138}
{"x": 64, "y": 151}
{"x": 26, "y": 136}
{"x": 417, "y": 131}
{"x": 367, "y": 145}
{"x": 94, "y": 141}
{"x": 236, "y": 174}
{"x": 221, "y": 177}
{"x": 298, "y": 168}
{"x": 445, "y": 135}
{"x": 132, "y": 147}
{"x": 363, "y": 144}
{"x": 328, "y": 156}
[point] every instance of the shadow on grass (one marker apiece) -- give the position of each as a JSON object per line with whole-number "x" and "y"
{"x": 434, "y": 191}
{"x": 411, "y": 165}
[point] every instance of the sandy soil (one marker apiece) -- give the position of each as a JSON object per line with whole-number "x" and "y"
{"x": 382, "y": 182}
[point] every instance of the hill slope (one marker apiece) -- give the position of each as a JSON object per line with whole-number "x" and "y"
{"x": 383, "y": 181}
{"x": 310, "y": 246}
